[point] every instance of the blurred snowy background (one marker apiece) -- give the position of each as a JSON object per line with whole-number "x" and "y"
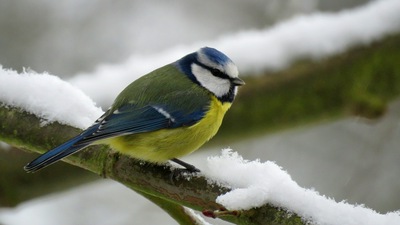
{"x": 72, "y": 36}
{"x": 347, "y": 159}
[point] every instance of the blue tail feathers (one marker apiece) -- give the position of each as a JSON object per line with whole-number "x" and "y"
{"x": 69, "y": 147}
{"x": 52, "y": 156}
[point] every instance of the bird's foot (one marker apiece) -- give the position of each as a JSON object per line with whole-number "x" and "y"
{"x": 188, "y": 167}
{"x": 182, "y": 172}
{"x": 220, "y": 213}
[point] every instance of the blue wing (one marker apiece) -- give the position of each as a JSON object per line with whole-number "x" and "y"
{"x": 125, "y": 120}
{"x": 130, "y": 120}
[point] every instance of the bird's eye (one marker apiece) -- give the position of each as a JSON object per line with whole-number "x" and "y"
{"x": 217, "y": 73}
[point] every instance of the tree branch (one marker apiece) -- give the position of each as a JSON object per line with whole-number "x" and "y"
{"x": 26, "y": 131}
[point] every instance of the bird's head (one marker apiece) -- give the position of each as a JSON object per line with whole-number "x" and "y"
{"x": 212, "y": 70}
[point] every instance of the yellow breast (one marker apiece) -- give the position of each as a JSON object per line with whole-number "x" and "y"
{"x": 165, "y": 144}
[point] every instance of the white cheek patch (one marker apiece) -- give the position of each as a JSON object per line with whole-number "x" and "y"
{"x": 216, "y": 85}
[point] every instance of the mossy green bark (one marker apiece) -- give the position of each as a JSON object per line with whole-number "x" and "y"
{"x": 358, "y": 82}
{"x": 160, "y": 184}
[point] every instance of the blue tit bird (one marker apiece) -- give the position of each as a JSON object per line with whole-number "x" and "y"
{"x": 165, "y": 114}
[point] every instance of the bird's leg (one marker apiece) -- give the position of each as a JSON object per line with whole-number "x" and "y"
{"x": 220, "y": 213}
{"x": 188, "y": 167}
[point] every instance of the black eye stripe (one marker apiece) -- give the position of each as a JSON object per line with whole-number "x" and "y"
{"x": 215, "y": 72}
{"x": 219, "y": 74}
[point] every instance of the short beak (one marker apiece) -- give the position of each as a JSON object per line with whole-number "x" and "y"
{"x": 238, "y": 82}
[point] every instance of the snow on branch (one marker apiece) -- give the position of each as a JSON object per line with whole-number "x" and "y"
{"x": 256, "y": 183}
{"x": 47, "y": 97}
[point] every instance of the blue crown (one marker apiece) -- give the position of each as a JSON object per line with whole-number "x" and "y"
{"x": 215, "y": 56}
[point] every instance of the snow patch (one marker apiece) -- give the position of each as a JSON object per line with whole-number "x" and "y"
{"x": 48, "y": 97}
{"x": 256, "y": 183}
